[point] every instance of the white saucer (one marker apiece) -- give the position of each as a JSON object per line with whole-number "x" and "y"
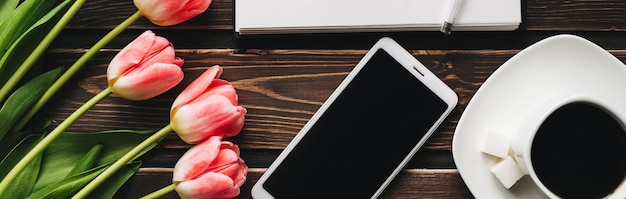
{"x": 563, "y": 65}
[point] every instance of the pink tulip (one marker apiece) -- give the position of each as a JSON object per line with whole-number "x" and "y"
{"x": 212, "y": 169}
{"x": 171, "y": 12}
{"x": 145, "y": 68}
{"x": 207, "y": 107}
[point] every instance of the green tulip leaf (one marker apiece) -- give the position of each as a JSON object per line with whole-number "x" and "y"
{"x": 6, "y": 8}
{"x": 23, "y": 98}
{"x": 108, "y": 189}
{"x": 24, "y": 183}
{"x": 10, "y": 141}
{"x": 15, "y": 52}
{"x": 88, "y": 161}
{"x": 20, "y": 144}
{"x": 13, "y": 139}
{"x": 16, "y": 154}
{"x": 70, "y": 186}
{"x": 21, "y": 19}
{"x": 62, "y": 154}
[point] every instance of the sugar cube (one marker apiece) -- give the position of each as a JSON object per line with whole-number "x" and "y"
{"x": 496, "y": 144}
{"x": 520, "y": 162}
{"x": 507, "y": 171}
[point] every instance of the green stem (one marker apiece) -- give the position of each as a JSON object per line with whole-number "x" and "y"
{"x": 132, "y": 154}
{"x": 74, "y": 68}
{"x": 41, "y": 146}
{"x": 160, "y": 192}
{"x": 41, "y": 47}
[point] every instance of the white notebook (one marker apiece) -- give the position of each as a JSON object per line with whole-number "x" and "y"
{"x": 328, "y": 16}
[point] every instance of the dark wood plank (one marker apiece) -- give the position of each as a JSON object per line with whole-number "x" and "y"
{"x": 410, "y": 183}
{"x": 575, "y": 15}
{"x": 283, "y": 79}
{"x": 280, "y": 88}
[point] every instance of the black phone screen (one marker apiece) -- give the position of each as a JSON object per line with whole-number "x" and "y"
{"x": 362, "y": 137}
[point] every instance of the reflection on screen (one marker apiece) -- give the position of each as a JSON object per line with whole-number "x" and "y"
{"x": 363, "y": 136}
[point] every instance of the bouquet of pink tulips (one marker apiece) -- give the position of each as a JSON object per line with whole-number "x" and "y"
{"x": 205, "y": 113}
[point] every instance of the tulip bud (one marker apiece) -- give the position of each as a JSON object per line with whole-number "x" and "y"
{"x": 171, "y": 12}
{"x": 145, "y": 68}
{"x": 212, "y": 169}
{"x": 207, "y": 107}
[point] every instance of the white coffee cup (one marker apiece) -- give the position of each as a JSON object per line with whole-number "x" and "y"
{"x": 522, "y": 140}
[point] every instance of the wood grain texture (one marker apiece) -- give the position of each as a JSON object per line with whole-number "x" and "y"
{"x": 280, "y": 88}
{"x": 410, "y": 183}
{"x": 576, "y": 15}
{"x": 283, "y": 79}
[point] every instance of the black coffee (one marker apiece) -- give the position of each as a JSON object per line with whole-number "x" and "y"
{"x": 580, "y": 152}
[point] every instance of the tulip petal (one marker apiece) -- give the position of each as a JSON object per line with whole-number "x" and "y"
{"x": 171, "y": 12}
{"x": 221, "y": 87}
{"x": 198, "y": 86}
{"x": 230, "y": 146}
{"x": 224, "y": 158}
{"x": 230, "y": 164}
{"x": 130, "y": 55}
{"x": 241, "y": 175}
{"x": 147, "y": 84}
{"x": 159, "y": 9}
{"x": 200, "y": 120}
{"x": 145, "y": 68}
{"x": 236, "y": 126}
{"x": 189, "y": 11}
{"x": 178, "y": 61}
{"x": 209, "y": 185}
{"x": 212, "y": 169}
{"x": 217, "y": 87}
{"x": 161, "y": 51}
{"x": 160, "y": 54}
{"x": 196, "y": 160}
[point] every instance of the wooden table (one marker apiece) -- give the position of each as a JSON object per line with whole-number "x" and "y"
{"x": 283, "y": 79}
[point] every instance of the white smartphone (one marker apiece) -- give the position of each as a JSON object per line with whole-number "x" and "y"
{"x": 366, "y": 131}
